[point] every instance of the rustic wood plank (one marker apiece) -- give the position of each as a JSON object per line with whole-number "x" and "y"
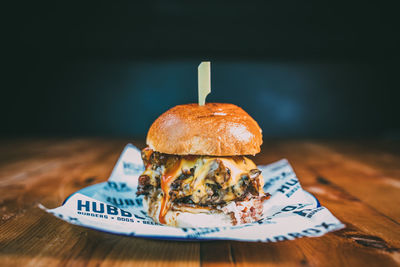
{"x": 24, "y": 187}
{"x": 47, "y": 171}
{"x": 268, "y": 254}
{"x": 216, "y": 253}
{"x": 367, "y": 183}
{"x": 382, "y": 157}
{"x": 32, "y": 237}
{"x": 370, "y": 238}
{"x": 374, "y": 185}
{"x": 48, "y": 241}
{"x": 33, "y": 149}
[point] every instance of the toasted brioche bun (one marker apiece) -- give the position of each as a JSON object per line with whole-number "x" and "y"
{"x": 214, "y": 129}
{"x": 175, "y": 218}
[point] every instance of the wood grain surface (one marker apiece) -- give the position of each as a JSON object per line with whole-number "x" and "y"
{"x": 358, "y": 181}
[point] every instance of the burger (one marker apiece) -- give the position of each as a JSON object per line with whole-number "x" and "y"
{"x": 197, "y": 169}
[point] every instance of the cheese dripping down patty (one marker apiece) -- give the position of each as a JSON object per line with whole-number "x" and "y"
{"x": 203, "y": 182}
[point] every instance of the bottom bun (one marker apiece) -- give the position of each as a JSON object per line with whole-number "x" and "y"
{"x": 232, "y": 214}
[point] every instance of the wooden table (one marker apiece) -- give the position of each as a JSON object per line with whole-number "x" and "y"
{"x": 359, "y": 181}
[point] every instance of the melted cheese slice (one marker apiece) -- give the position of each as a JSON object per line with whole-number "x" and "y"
{"x": 196, "y": 185}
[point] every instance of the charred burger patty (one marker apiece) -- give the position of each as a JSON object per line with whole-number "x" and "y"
{"x": 230, "y": 185}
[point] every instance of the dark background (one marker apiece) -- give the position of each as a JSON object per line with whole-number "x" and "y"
{"x": 300, "y": 68}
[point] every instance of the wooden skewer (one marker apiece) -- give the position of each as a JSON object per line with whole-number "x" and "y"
{"x": 204, "y": 78}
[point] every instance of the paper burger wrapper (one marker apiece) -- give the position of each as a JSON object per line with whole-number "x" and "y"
{"x": 113, "y": 207}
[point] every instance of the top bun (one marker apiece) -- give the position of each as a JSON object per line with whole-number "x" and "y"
{"x": 215, "y": 129}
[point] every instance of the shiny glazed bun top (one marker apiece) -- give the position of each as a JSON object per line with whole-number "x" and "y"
{"x": 215, "y": 129}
